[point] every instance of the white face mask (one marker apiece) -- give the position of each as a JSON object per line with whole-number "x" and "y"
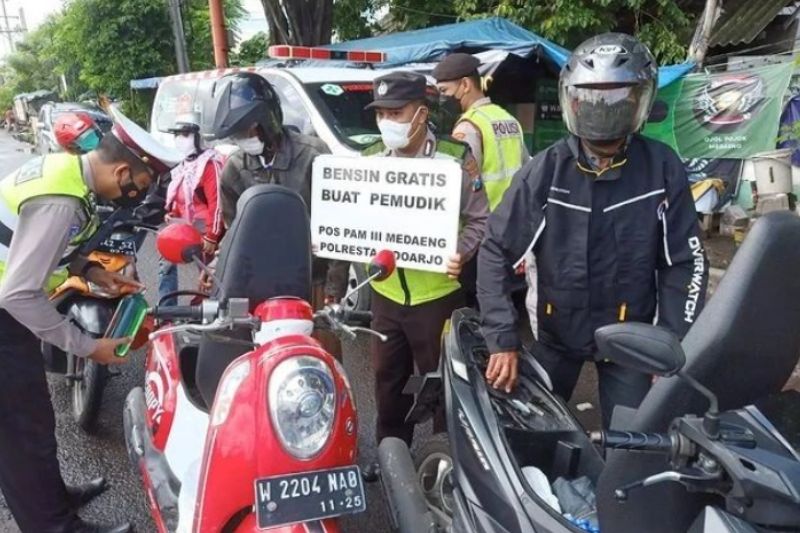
{"x": 395, "y": 135}
{"x": 185, "y": 144}
{"x": 252, "y": 145}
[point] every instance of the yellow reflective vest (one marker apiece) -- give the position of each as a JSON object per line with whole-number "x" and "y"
{"x": 414, "y": 287}
{"x": 502, "y": 148}
{"x": 50, "y": 175}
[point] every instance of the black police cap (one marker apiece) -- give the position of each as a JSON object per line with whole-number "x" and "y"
{"x": 455, "y": 67}
{"x": 396, "y": 89}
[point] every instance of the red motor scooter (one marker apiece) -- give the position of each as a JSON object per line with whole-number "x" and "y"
{"x": 245, "y": 422}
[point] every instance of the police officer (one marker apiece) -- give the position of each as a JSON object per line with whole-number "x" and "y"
{"x": 46, "y": 211}
{"x": 610, "y": 219}
{"x": 493, "y": 134}
{"x": 411, "y": 307}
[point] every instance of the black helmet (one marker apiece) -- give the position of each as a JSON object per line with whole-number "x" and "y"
{"x": 607, "y": 87}
{"x": 242, "y": 100}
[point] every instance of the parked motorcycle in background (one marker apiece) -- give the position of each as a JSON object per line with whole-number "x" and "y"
{"x": 91, "y": 308}
{"x": 245, "y": 422}
{"x": 521, "y": 463}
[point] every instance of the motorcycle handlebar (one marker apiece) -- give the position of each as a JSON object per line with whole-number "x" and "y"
{"x": 358, "y": 316}
{"x": 633, "y": 440}
{"x": 179, "y": 312}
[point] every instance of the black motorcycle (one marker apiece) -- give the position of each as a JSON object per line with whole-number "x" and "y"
{"x": 114, "y": 246}
{"x": 522, "y": 463}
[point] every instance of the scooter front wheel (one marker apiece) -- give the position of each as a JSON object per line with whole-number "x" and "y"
{"x": 87, "y": 392}
{"x": 434, "y": 467}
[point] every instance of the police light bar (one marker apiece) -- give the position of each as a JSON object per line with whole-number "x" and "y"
{"x": 281, "y": 51}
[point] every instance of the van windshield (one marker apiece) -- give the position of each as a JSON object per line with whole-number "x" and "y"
{"x": 342, "y": 107}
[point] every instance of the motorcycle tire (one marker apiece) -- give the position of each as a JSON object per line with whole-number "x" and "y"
{"x": 361, "y": 299}
{"x": 87, "y": 393}
{"x": 436, "y": 479}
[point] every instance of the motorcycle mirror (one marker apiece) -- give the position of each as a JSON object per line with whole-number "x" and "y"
{"x": 179, "y": 243}
{"x": 644, "y": 347}
{"x": 382, "y": 265}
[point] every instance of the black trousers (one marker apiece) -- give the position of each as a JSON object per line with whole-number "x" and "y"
{"x": 414, "y": 338}
{"x": 618, "y": 385}
{"x": 30, "y": 477}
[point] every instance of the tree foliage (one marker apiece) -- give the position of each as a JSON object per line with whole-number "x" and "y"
{"x": 661, "y": 24}
{"x": 252, "y": 50}
{"x": 100, "y": 45}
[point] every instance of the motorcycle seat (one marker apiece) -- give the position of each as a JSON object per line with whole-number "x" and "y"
{"x": 265, "y": 253}
{"x": 743, "y": 346}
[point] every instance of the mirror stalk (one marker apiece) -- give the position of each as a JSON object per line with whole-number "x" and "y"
{"x": 711, "y": 419}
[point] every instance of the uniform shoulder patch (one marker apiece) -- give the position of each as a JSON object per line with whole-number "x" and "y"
{"x": 30, "y": 171}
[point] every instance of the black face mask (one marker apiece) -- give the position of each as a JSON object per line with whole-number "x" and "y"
{"x": 131, "y": 194}
{"x": 450, "y": 105}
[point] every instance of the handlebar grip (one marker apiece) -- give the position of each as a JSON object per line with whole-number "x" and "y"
{"x": 179, "y": 312}
{"x": 358, "y": 316}
{"x": 633, "y": 440}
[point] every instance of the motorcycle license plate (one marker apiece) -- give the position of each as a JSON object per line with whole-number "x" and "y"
{"x": 293, "y": 498}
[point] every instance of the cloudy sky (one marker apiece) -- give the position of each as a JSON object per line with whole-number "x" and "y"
{"x": 34, "y": 16}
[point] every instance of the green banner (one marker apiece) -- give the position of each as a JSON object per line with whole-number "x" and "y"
{"x": 725, "y": 115}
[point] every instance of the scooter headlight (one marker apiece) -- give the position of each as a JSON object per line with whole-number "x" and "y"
{"x": 302, "y": 404}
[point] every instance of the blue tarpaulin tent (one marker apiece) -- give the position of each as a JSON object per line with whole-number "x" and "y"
{"x": 431, "y": 44}
{"x": 146, "y": 83}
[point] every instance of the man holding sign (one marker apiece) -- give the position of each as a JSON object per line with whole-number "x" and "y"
{"x": 412, "y": 306}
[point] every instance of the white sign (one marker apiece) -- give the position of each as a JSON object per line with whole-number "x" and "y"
{"x": 361, "y": 205}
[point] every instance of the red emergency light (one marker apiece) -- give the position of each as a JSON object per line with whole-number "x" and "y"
{"x": 282, "y": 51}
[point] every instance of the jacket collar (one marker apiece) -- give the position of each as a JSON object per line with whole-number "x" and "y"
{"x": 610, "y": 173}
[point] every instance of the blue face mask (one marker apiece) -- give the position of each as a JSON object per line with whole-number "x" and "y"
{"x": 88, "y": 141}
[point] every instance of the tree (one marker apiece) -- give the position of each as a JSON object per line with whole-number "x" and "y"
{"x": 661, "y": 24}
{"x": 354, "y": 19}
{"x": 299, "y": 22}
{"x": 252, "y": 50}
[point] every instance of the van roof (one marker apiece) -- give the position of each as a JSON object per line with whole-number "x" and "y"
{"x": 304, "y": 74}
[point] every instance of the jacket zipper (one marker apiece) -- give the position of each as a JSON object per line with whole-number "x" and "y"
{"x": 401, "y": 272}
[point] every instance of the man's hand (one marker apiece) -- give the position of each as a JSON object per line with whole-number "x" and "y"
{"x": 502, "y": 371}
{"x": 206, "y": 282}
{"x": 168, "y": 218}
{"x": 209, "y": 247}
{"x": 113, "y": 282}
{"x": 104, "y": 351}
{"x": 454, "y": 266}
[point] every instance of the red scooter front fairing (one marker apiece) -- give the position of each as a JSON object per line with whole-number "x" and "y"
{"x": 243, "y": 444}
{"x": 245, "y": 422}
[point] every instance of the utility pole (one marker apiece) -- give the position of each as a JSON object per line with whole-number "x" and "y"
{"x": 8, "y": 26}
{"x": 702, "y": 34}
{"x": 218, "y": 33}
{"x": 180, "y": 38}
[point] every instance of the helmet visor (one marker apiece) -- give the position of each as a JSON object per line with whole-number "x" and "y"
{"x": 605, "y": 113}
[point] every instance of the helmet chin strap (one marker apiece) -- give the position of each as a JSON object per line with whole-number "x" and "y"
{"x": 604, "y": 148}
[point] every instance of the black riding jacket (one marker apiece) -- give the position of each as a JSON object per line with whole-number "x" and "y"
{"x": 616, "y": 245}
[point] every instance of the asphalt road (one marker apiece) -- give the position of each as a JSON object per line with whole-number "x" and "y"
{"x": 103, "y": 453}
